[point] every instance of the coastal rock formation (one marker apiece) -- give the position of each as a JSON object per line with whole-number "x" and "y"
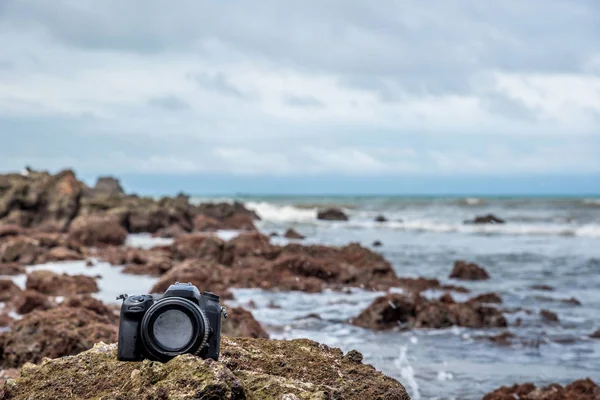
{"x": 380, "y": 218}
{"x": 155, "y": 262}
{"x": 583, "y": 389}
{"x": 8, "y": 290}
{"x": 332, "y": 214}
{"x": 241, "y": 323}
{"x": 292, "y": 234}
{"x": 31, "y": 300}
{"x": 396, "y": 310}
{"x": 486, "y": 219}
{"x": 108, "y": 186}
{"x": 50, "y": 283}
{"x": 97, "y": 230}
{"x": 468, "y": 271}
{"x": 248, "y": 369}
{"x": 53, "y": 333}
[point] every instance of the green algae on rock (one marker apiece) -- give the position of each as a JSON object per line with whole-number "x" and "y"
{"x": 249, "y": 369}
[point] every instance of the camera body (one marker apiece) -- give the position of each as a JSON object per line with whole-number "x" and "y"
{"x": 161, "y": 326}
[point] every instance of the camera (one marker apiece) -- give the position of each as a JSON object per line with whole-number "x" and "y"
{"x": 159, "y": 327}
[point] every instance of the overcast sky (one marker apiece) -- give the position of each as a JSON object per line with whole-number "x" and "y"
{"x": 301, "y": 88}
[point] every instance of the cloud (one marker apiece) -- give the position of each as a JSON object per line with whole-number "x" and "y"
{"x": 279, "y": 88}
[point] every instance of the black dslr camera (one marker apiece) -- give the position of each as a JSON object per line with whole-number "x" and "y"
{"x": 161, "y": 326}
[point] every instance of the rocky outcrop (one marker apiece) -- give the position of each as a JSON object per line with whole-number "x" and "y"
{"x": 406, "y": 312}
{"x": 332, "y": 214}
{"x": 241, "y": 323}
{"x": 97, "y": 230}
{"x": 292, "y": 234}
{"x": 248, "y": 369}
{"x": 486, "y": 298}
{"x": 11, "y": 268}
{"x": 50, "y": 283}
{"x": 380, "y": 218}
{"x": 5, "y": 319}
{"x": 154, "y": 262}
{"x": 8, "y": 290}
{"x": 549, "y": 316}
{"x": 486, "y": 219}
{"x": 20, "y": 249}
{"x": 468, "y": 271}
{"x": 596, "y": 334}
{"x": 61, "y": 253}
{"x": 7, "y": 230}
{"x": 108, "y": 186}
{"x": 31, "y": 300}
{"x": 53, "y": 333}
{"x": 583, "y": 389}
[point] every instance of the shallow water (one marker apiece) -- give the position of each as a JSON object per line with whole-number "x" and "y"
{"x": 545, "y": 241}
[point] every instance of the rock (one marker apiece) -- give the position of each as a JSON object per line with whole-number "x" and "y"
{"x": 31, "y": 300}
{"x": 206, "y": 275}
{"x": 583, "y": 389}
{"x": 273, "y": 234}
{"x": 7, "y": 230}
{"x": 241, "y": 323}
{"x": 222, "y": 211}
{"x": 108, "y": 186}
{"x": 595, "y": 335}
{"x": 154, "y": 261}
{"x": 380, "y": 218}
{"x": 199, "y": 246}
{"x": 546, "y": 288}
{"x": 5, "y": 320}
{"x": 398, "y": 310}
{"x": 486, "y": 298}
{"x": 50, "y": 283}
{"x": 248, "y": 369}
{"x": 486, "y": 219}
{"x": 204, "y": 223}
{"x": 292, "y": 234}
{"x": 421, "y": 284}
{"x": 354, "y": 356}
{"x": 549, "y": 316}
{"x": 447, "y": 298}
{"x": 377, "y": 243}
{"x": 468, "y": 271}
{"x": 53, "y": 333}
{"x": 96, "y": 306}
{"x": 97, "y": 230}
{"x": 241, "y": 222}
{"x": 8, "y": 290}
{"x": 571, "y": 300}
{"x": 332, "y": 214}
{"x": 20, "y": 249}
{"x": 503, "y": 339}
{"x": 251, "y": 244}
{"x": 11, "y": 269}
{"x": 172, "y": 231}
{"x": 62, "y": 254}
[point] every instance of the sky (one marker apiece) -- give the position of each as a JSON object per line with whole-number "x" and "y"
{"x": 309, "y": 96}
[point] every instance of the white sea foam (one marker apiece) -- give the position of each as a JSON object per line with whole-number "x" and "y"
{"x": 282, "y": 213}
{"x": 146, "y": 241}
{"x": 407, "y": 373}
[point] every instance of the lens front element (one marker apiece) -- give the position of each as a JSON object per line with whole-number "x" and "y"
{"x": 173, "y": 330}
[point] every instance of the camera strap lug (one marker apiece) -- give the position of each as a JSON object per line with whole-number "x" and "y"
{"x": 122, "y": 297}
{"x": 224, "y": 311}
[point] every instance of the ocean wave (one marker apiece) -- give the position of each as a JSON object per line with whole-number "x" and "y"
{"x": 281, "y": 212}
{"x": 591, "y": 202}
{"x": 471, "y": 202}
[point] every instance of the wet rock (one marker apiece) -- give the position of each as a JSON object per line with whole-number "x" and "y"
{"x": 468, "y": 271}
{"x": 154, "y": 262}
{"x": 447, "y": 298}
{"x": 354, "y": 356}
{"x": 97, "y": 230}
{"x": 571, "y": 300}
{"x": 380, "y": 218}
{"x": 251, "y": 244}
{"x": 398, "y": 310}
{"x": 332, "y": 214}
{"x": 273, "y": 234}
{"x": 595, "y": 335}
{"x": 62, "y": 254}
{"x": 205, "y": 223}
{"x": 292, "y": 234}
{"x": 108, "y": 186}
{"x": 206, "y": 275}
{"x": 421, "y": 284}
{"x": 549, "y": 316}
{"x": 88, "y": 302}
{"x": 11, "y": 269}
{"x": 241, "y": 323}
{"x": 241, "y": 222}
{"x": 486, "y": 219}
{"x": 221, "y": 211}
{"x": 53, "y": 333}
{"x": 31, "y": 300}
{"x": 377, "y": 243}
{"x": 546, "y": 288}
{"x": 200, "y": 246}
{"x": 503, "y": 339}
{"x": 20, "y": 249}
{"x": 5, "y": 319}
{"x": 50, "y": 283}
{"x": 486, "y": 298}
{"x": 172, "y": 231}
{"x": 583, "y": 389}
{"x": 248, "y": 369}
{"x": 8, "y": 290}
{"x": 7, "y": 230}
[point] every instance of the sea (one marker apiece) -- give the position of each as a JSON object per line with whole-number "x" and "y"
{"x": 551, "y": 241}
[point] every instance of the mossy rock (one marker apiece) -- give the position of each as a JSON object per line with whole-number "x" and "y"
{"x": 249, "y": 369}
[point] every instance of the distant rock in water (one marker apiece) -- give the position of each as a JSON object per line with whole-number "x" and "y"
{"x": 486, "y": 219}
{"x": 241, "y": 323}
{"x": 546, "y": 288}
{"x": 108, "y": 186}
{"x": 468, "y": 271}
{"x": 332, "y": 214}
{"x": 595, "y": 335}
{"x": 583, "y": 389}
{"x": 247, "y": 369}
{"x": 549, "y": 316}
{"x": 292, "y": 234}
{"x": 380, "y": 218}
{"x": 377, "y": 243}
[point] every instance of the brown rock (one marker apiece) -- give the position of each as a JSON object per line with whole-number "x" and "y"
{"x": 583, "y": 389}
{"x": 447, "y": 298}
{"x": 549, "y": 316}
{"x": 96, "y": 230}
{"x": 205, "y": 223}
{"x": 221, "y": 211}
{"x": 50, "y": 283}
{"x": 377, "y": 243}
{"x": 108, "y": 186}
{"x": 486, "y": 219}
{"x": 10, "y": 230}
{"x": 487, "y": 298}
{"x": 11, "y": 269}
{"x": 90, "y": 303}
{"x": 62, "y": 254}
{"x": 243, "y": 222}
{"x": 503, "y": 339}
{"x": 199, "y": 246}
{"x": 19, "y": 249}
{"x": 252, "y": 244}
{"x": 154, "y": 262}
{"x": 332, "y": 214}
{"x": 595, "y": 335}
{"x": 389, "y": 311}
{"x": 292, "y": 234}
{"x": 31, "y": 300}
{"x": 241, "y": 323}
{"x": 468, "y": 271}
{"x": 546, "y": 288}
{"x": 53, "y": 333}
{"x": 172, "y": 231}
{"x": 206, "y": 275}
{"x": 5, "y": 320}
{"x": 8, "y": 290}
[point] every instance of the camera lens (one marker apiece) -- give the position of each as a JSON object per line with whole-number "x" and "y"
{"x": 172, "y": 330}
{"x": 173, "y": 326}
